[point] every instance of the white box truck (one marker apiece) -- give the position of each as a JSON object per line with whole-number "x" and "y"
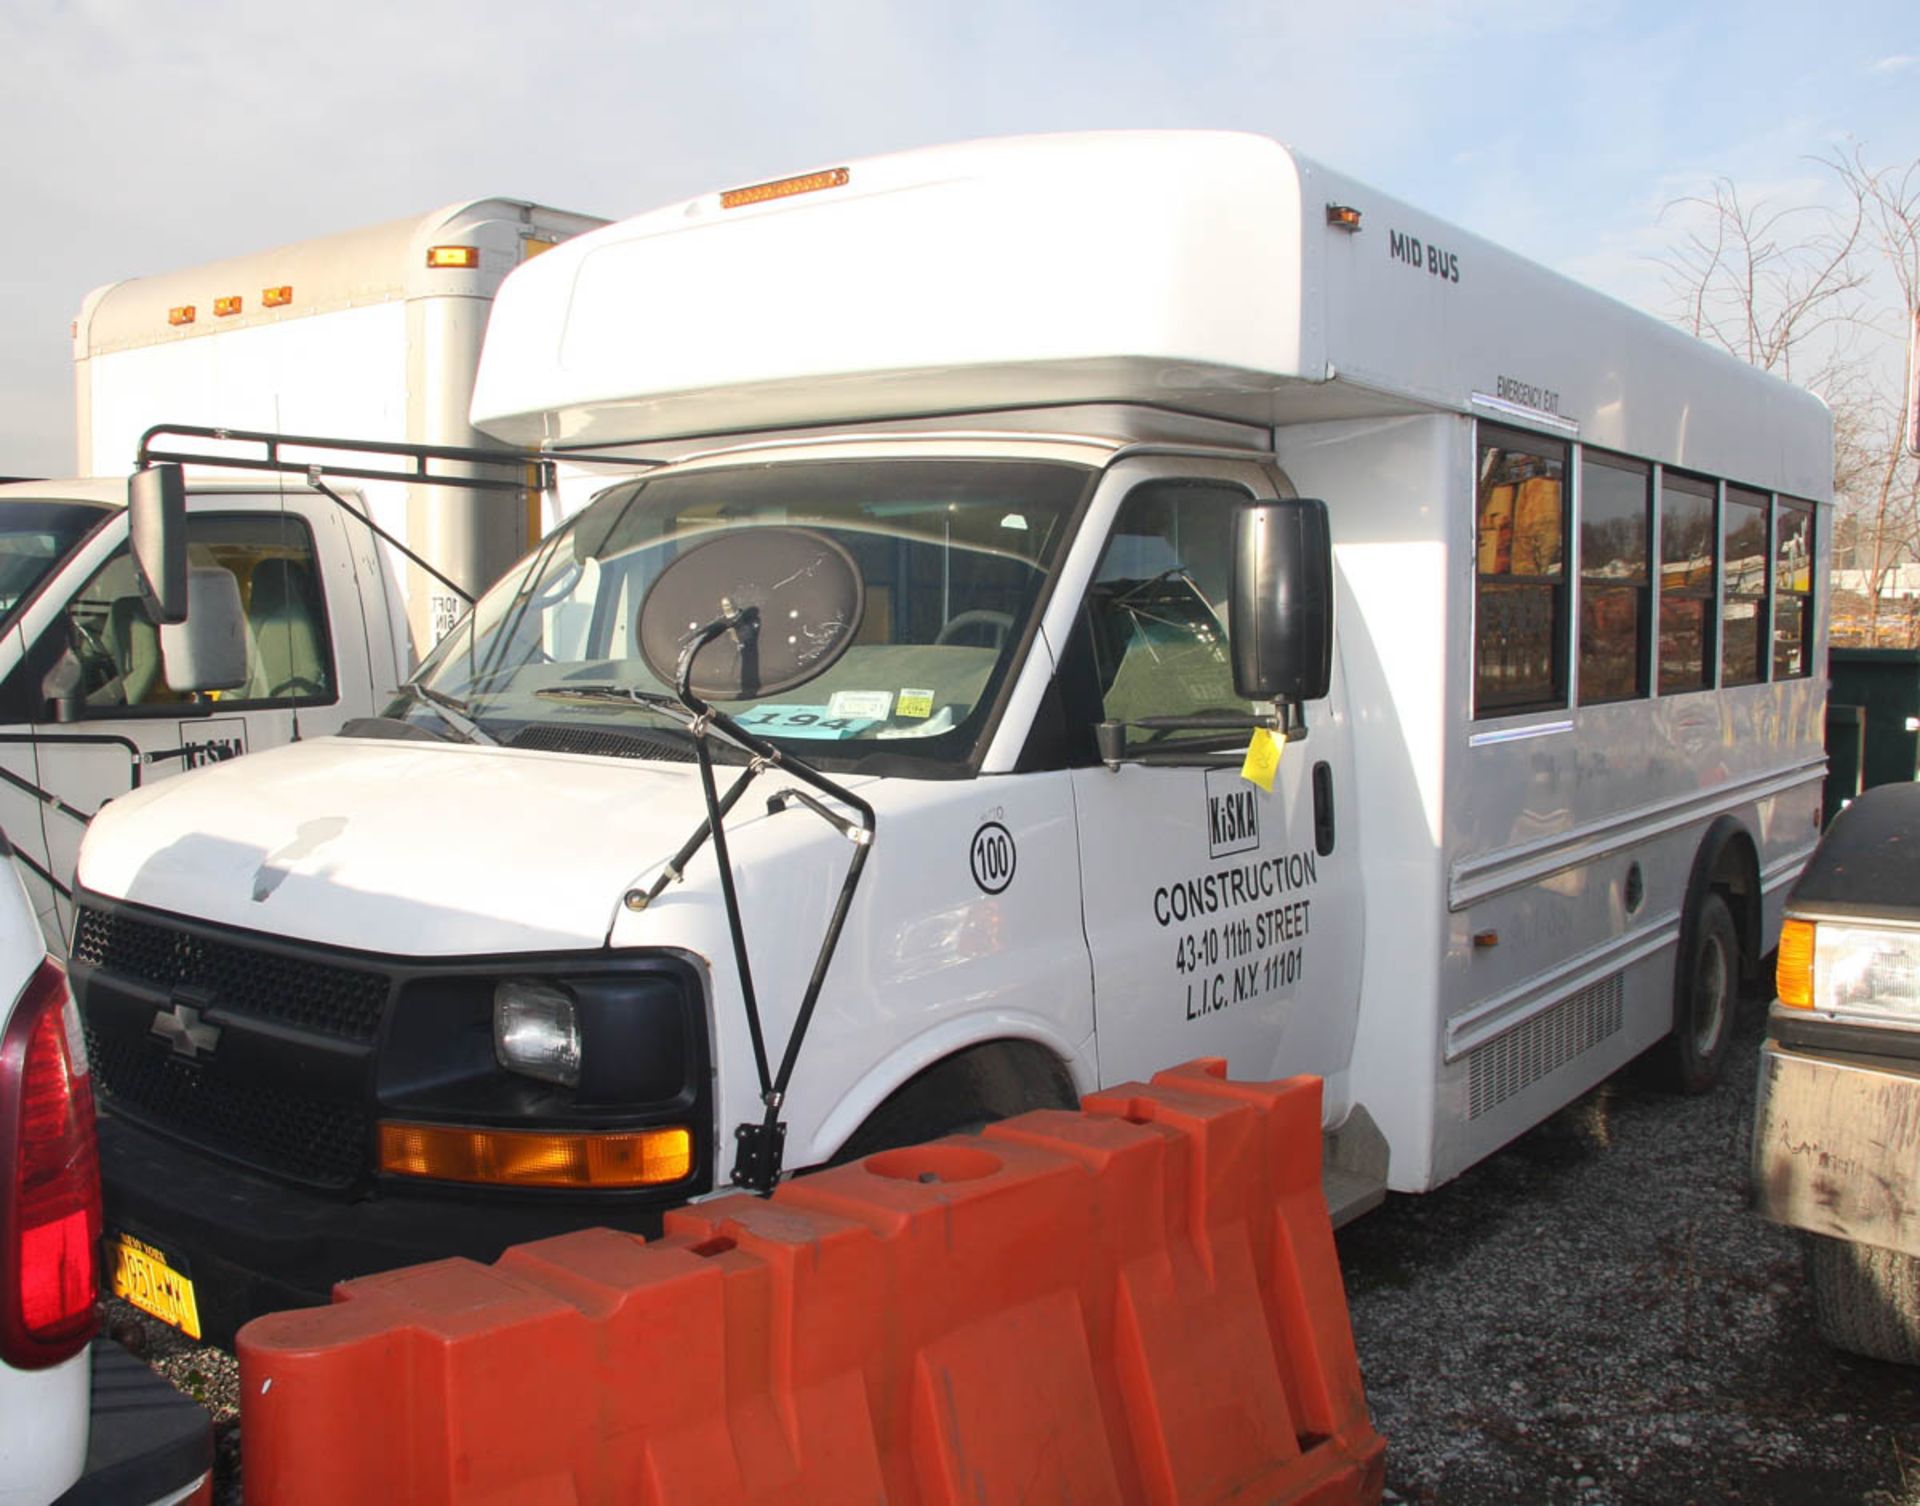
{"x": 370, "y": 335}
{"x": 1180, "y": 602}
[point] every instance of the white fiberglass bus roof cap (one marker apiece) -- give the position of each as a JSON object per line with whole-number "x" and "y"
{"x": 1203, "y": 271}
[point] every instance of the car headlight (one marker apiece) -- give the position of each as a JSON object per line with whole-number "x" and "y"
{"x": 1869, "y": 973}
{"x": 536, "y": 1031}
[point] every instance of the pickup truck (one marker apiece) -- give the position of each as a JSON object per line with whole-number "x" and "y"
{"x": 1836, "y": 1143}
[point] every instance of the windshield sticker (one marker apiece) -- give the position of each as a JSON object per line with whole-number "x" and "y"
{"x": 803, "y": 721}
{"x": 874, "y": 705}
{"x": 915, "y": 703}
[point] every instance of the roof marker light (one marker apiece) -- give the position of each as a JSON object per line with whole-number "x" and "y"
{"x": 1343, "y": 217}
{"x": 277, "y": 298}
{"x": 784, "y": 188}
{"x": 222, "y": 307}
{"x": 181, "y": 314}
{"x": 453, "y": 256}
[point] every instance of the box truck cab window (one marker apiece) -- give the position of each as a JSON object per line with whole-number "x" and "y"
{"x": 953, "y": 553}
{"x": 271, "y": 557}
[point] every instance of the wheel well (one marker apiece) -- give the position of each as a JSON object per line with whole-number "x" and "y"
{"x": 986, "y": 1081}
{"x": 1728, "y": 865}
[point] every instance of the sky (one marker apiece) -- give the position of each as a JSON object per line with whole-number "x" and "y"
{"x": 147, "y": 135}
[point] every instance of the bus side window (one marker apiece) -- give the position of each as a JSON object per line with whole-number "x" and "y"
{"x": 1687, "y": 649}
{"x": 1792, "y": 589}
{"x": 1616, "y": 597}
{"x": 1520, "y": 595}
{"x": 1744, "y": 655}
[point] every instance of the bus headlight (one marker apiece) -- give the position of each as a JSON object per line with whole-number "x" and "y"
{"x": 536, "y": 1031}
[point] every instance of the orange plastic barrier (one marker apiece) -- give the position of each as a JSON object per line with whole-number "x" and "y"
{"x": 1137, "y": 1303}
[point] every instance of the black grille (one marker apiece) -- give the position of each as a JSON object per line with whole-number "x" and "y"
{"x": 315, "y": 1140}
{"x": 549, "y": 739}
{"x": 297, "y": 991}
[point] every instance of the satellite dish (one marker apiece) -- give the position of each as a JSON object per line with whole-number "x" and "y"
{"x": 802, "y": 595}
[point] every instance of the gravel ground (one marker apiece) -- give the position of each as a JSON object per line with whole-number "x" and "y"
{"x": 1591, "y": 1317}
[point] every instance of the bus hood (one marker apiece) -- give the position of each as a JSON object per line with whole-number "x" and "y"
{"x": 406, "y": 848}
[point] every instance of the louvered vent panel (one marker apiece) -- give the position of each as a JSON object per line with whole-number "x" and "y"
{"x": 1516, "y": 1060}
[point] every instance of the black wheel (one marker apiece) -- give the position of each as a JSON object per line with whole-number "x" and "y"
{"x": 1706, "y": 991}
{"x": 960, "y": 1095}
{"x": 1865, "y": 1299}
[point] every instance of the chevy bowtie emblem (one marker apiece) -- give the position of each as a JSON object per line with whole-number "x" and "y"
{"x": 181, "y": 1025}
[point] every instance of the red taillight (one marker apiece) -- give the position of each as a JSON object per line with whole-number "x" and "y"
{"x": 49, "y": 1159}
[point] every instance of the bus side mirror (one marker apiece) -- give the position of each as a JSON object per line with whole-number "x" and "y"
{"x": 1280, "y": 616}
{"x": 157, "y": 528}
{"x": 206, "y": 649}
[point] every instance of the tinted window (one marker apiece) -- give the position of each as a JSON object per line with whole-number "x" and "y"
{"x": 1686, "y": 583}
{"x": 1793, "y": 589}
{"x": 1615, "y": 592}
{"x": 1520, "y": 600}
{"x": 1743, "y": 599}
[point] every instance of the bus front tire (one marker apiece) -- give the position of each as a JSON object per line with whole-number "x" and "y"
{"x": 963, "y": 1093}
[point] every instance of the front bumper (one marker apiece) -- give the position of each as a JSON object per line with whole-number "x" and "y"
{"x": 1836, "y": 1145}
{"x": 253, "y": 1245}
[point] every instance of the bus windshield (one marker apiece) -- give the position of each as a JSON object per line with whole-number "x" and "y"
{"x": 953, "y": 553}
{"x": 34, "y": 537}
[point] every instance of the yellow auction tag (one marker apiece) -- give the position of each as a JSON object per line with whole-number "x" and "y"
{"x": 1263, "y": 759}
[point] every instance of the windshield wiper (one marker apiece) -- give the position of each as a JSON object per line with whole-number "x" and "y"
{"x": 454, "y": 714}
{"x": 617, "y": 695}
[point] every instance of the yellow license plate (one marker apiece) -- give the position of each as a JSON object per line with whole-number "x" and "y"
{"x": 142, "y": 1276}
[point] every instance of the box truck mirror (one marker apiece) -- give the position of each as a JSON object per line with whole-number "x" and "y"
{"x": 760, "y": 610}
{"x": 157, "y": 525}
{"x": 206, "y": 647}
{"x": 1280, "y": 614}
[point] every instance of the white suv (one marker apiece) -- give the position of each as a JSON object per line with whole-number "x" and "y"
{"x": 81, "y": 1420}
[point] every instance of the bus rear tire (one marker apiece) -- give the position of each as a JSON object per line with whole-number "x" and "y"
{"x": 1706, "y": 993}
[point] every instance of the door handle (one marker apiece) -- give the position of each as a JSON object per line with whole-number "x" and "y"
{"x": 1323, "y": 808}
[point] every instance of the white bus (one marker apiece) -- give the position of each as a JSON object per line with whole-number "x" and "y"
{"x": 1032, "y": 413}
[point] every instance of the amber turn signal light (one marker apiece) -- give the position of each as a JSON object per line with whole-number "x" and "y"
{"x": 1793, "y": 974}
{"x": 529, "y": 1158}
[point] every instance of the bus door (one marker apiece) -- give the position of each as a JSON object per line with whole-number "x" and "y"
{"x": 1222, "y": 917}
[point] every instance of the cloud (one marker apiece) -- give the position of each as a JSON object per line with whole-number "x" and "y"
{"x": 1899, "y": 63}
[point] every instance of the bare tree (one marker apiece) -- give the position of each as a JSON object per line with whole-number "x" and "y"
{"x": 1772, "y": 284}
{"x": 1813, "y": 292}
{"x": 1884, "y": 482}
